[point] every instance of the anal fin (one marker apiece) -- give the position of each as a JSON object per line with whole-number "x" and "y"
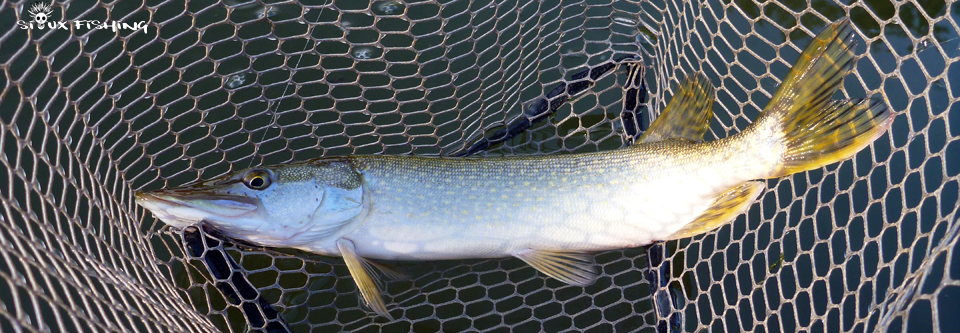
{"x": 727, "y": 207}
{"x": 576, "y": 268}
{"x": 362, "y": 272}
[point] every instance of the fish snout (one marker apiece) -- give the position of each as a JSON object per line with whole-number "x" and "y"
{"x": 148, "y": 200}
{"x": 182, "y": 208}
{"x": 141, "y": 197}
{"x": 155, "y": 200}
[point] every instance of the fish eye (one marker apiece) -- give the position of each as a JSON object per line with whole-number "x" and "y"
{"x": 257, "y": 179}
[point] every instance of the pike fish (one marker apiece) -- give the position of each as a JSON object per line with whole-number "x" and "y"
{"x": 549, "y": 211}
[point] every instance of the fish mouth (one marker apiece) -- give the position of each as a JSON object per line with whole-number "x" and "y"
{"x": 152, "y": 198}
{"x": 184, "y": 208}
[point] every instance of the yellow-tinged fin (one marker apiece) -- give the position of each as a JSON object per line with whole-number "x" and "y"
{"x": 576, "y": 268}
{"x": 818, "y": 131}
{"x": 362, "y": 272}
{"x": 817, "y": 73}
{"x": 688, "y": 114}
{"x": 727, "y": 207}
{"x": 834, "y": 133}
{"x": 390, "y": 271}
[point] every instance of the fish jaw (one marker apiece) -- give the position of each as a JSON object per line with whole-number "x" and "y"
{"x": 180, "y": 209}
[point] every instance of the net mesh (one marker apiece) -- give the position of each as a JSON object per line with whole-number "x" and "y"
{"x": 89, "y": 115}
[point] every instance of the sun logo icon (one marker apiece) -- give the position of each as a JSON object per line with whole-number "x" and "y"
{"x": 41, "y": 12}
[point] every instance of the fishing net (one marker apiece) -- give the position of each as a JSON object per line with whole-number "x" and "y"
{"x": 91, "y": 113}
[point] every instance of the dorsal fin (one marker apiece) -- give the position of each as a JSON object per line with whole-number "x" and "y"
{"x": 688, "y": 114}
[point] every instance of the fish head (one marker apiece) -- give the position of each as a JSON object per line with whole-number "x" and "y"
{"x": 286, "y": 205}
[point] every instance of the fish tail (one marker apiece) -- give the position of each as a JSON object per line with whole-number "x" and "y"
{"x": 816, "y": 130}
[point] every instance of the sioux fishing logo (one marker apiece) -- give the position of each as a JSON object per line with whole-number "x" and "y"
{"x": 41, "y": 14}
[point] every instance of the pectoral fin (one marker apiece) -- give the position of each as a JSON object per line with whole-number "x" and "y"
{"x": 688, "y": 114}
{"x": 574, "y": 268}
{"x": 727, "y": 207}
{"x": 390, "y": 271}
{"x": 363, "y": 275}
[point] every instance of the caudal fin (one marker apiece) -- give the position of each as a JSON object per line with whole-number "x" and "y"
{"x": 818, "y": 131}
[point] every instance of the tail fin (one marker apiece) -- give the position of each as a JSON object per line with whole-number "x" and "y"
{"x": 819, "y": 131}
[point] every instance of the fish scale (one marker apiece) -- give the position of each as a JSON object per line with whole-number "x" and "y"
{"x": 547, "y": 215}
